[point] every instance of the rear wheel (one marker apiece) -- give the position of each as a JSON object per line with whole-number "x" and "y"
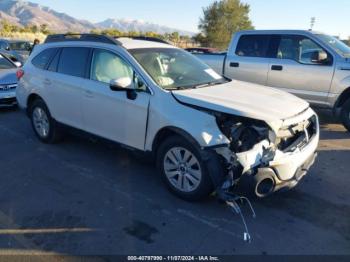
{"x": 183, "y": 170}
{"x": 44, "y": 126}
{"x": 345, "y": 114}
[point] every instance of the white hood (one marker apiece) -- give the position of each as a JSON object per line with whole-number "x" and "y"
{"x": 245, "y": 99}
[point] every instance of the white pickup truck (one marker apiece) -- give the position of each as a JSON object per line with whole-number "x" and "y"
{"x": 311, "y": 65}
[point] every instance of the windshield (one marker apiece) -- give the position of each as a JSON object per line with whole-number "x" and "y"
{"x": 5, "y": 64}
{"x": 20, "y": 46}
{"x": 174, "y": 68}
{"x": 338, "y": 46}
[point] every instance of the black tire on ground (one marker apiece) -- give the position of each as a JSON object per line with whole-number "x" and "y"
{"x": 55, "y": 133}
{"x": 205, "y": 186}
{"x": 345, "y": 115}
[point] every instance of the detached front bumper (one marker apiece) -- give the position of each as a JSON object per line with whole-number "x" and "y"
{"x": 272, "y": 182}
{"x": 7, "y": 98}
{"x": 299, "y": 174}
{"x": 283, "y": 173}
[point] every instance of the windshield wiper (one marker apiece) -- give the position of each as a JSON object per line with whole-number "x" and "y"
{"x": 199, "y": 85}
{"x": 175, "y": 88}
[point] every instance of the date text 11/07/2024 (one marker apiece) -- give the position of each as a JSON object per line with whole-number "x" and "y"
{"x": 173, "y": 258}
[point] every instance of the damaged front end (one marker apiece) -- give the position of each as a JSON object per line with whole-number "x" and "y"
{"x": 259, "y": 159}
{"x": 263, "y": 158}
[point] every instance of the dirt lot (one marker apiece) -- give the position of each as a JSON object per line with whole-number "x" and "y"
{"x": 87, "y": 197}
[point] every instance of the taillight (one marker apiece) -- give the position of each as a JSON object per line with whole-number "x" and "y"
{"x": 19, "y": 74}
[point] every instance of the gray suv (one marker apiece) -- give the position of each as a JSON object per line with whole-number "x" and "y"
{"x": 308, "y": 64}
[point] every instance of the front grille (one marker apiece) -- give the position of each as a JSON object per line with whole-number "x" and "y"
{"x": 7, "y": 101}
{"x": 297, "y": 136}
{"x": 7, "y": 87}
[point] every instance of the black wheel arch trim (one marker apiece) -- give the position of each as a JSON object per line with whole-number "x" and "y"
{"x": 174, "y": 130}
{"x": 208, "y": 155}
{"x": 31, "y": 98}
{"x": 344, "y": 96}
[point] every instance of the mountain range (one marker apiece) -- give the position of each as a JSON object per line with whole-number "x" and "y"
{"x": 24, "y": 13}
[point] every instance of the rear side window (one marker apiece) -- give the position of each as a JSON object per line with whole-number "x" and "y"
{"x": 253, "y": 46}
{"x": 54, "y": 62}
{"x": 73, "y": 61}
{"x": 42, "y": 59}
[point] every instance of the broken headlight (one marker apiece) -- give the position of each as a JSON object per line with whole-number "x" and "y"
{"x": 244, "y": 133}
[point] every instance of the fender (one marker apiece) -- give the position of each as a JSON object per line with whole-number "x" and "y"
{"x": 345, "y": 95}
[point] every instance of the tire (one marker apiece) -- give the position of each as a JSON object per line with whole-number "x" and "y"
{"x": 44, "y": 126}
{"x": 193, "y": 176}
{"x": 345, "y": 115}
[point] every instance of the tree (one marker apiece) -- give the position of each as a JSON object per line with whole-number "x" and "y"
{"x": 44, "y": 28}
{"x": 34, "y": 29}
{"x": 175, "y": 37}
{"x": 223, "y": 18}
{"x": 7, "y": 27}
{"x": 200, "y": 38}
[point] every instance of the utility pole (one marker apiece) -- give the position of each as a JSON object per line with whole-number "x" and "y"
{"x": 312, "y": 23}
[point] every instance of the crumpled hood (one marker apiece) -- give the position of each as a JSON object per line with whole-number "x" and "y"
{"x": 8, "y": 76}
{"x": 245, "y": 99}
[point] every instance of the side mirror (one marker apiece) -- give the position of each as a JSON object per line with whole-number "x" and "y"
{"x": 18, "y": 63}
{"x": 121, "y": 84}
{"x": 319, "y": 57}
{"x": 124, "y": 84}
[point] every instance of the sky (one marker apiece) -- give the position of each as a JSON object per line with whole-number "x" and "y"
{"x": 332, "y": 16}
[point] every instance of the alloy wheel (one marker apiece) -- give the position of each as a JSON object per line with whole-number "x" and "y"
{"x": 41, "y": 122}
{"x": 182, "y": 169}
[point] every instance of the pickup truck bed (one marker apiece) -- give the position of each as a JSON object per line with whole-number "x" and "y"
{"x": 215, "y": 61}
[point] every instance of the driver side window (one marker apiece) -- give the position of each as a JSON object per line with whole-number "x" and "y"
{"x": 300, "y": 49}
{"x": 107, "y": 66}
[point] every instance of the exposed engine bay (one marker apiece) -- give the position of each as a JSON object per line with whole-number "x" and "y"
{"x": 251, "y": 145}
{"x": 243, "y": 133}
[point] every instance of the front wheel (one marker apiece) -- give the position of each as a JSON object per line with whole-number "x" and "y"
{"x": 183, "y": 170}
{"x": 345, "y": 114}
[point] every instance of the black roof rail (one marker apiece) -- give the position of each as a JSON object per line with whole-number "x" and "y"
{"x": 146, "y": 38}
{"x": 81, "y": 37}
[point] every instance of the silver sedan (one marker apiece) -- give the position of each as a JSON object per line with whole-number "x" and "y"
{"x": 8, "y": 82}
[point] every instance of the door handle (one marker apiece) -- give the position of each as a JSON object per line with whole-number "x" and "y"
{"x": 89, "y": 94}
{"x": 277, "y": 67}
{"x": 234, "y": 64}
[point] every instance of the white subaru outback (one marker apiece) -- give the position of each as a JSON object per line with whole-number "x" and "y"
{"x": 205, "y": 131}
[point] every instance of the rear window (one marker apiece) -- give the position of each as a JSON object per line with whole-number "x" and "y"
{"x": 73, "y": 61}
{"x": 42, "y": 59}
{"x": 253, "y": 46}
{"x": 20, "y": 46}
{"x": 5, "y": 64}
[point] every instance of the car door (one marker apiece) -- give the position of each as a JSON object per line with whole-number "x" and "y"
{"x": 112, "y": 114}
{"x": 63, "y": 81}
{"x": 250, "y": 60}
{"x": 294, "y": 68}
